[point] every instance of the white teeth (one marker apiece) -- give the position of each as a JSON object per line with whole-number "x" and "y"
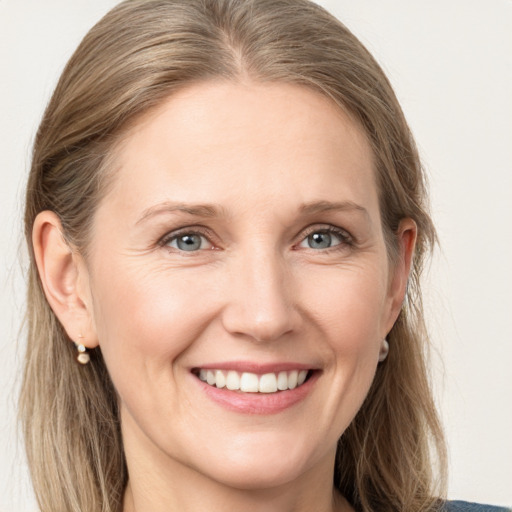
{"x": 220, "y": 380}
{"x": 233, "y": 381}
{"x": 268, "y": 383}
{"x": 248, "y": 382}
{"x": 282, "y": 381}
{"x": 302, "y": 377}
{"x": 292, "y": 379}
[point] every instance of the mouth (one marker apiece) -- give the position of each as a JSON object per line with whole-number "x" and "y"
{"x": 246, "y": 387}
{"x": 248, "y": 382}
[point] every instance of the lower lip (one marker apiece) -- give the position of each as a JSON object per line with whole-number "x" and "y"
{"x": 258, "y": 403}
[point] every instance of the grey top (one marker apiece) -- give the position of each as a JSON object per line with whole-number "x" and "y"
{"x": 464, "y": 506}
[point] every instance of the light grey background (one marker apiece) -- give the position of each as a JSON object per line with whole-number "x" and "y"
{"x": 451, "y": 64}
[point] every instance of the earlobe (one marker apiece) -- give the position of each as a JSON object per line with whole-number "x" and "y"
{"x": 406, "y": 242}
{"x": 63, "y": 277}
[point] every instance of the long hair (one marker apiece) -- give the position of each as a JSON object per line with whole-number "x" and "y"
{"x": 392, "y": 456}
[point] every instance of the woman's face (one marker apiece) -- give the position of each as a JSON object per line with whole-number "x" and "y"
{"x": 241, "y": 244}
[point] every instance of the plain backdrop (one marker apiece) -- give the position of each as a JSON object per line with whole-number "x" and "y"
{"x": 450, "y": 62}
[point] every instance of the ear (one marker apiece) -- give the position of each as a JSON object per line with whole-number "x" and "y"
{"x": 406, "y": 241}
{"x": 64, "y": 278}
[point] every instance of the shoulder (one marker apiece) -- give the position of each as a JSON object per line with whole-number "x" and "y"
{"x": 464, "y": 506}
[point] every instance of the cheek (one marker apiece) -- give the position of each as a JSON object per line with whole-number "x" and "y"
{"x": 350, "y": 304}
{"x": 146, "y": 313}
{"x": 347, "y": 305}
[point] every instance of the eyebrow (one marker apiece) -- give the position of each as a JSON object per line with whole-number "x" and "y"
{"x": 211, "y": 210}
{"x": 328, "y": 206}
{"x": 198, "y": 210}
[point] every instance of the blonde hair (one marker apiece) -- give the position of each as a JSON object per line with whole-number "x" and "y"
{"x": 135, "y": 57}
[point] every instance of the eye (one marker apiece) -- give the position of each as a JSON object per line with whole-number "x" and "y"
{"x": 325, "y": 239}
{"x": 188, "y": 242}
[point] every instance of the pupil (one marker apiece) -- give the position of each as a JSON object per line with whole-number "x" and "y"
{"x": 320, "y": 240}
{"x": 189, "y": 242}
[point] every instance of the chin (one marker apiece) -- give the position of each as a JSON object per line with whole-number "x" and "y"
{"x": 264, "y": 464}
{"x": 257, "y": 476}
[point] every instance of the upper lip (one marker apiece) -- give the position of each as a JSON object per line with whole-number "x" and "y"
{"x": 258, "y": 368}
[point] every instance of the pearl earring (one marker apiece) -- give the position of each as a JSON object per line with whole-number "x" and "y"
{"x": 384, "y": 350}
{"x": 83, "y": 357}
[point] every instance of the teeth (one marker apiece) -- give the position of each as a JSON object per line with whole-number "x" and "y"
{"x": 268, "y": 383}
{"x": 282, "y": 381}
{"x": 248, "y": 382}
{"x": 292, "y": 379}
{"x": 302, "y": 377}
{"x": 232, "y": 381}
{"x": 220, "y": 380}
{"x": 210, "y": 377}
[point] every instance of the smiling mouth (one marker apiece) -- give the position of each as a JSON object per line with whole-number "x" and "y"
{"x": 246, "y": 382}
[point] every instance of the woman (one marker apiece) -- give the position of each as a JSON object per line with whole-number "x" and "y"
{"x": 225, "y": 212}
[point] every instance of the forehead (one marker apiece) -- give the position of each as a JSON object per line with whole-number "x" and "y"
{"x": 221, "y": 141}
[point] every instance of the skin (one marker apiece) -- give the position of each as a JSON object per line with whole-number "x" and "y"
{"x": 255, "y": 290}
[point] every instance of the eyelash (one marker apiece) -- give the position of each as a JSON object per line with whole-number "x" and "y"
{"x": 346, "y": 239}
{"x": 193, "y": 230}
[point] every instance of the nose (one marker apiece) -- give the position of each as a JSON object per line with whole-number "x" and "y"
{"x": 259, "y": 298}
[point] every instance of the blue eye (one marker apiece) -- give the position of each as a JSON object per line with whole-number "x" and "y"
{"x": 323, "y": 239}
{"x": 188, "y": 242}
